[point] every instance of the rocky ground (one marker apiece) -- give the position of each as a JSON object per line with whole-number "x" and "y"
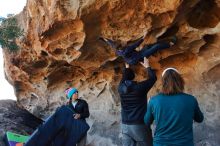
{"x": 15, "y": 119}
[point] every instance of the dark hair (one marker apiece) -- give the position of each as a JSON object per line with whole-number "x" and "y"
{"x": 172, "y": 82}
{"x": 70, "y": 101}
{"x": 128, "y": 74}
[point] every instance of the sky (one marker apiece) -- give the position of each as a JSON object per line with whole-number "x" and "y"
{"x": 8, "y": 7}
{"x": 11, "y": 7}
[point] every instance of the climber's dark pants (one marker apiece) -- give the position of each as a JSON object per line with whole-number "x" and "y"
{"x": 149, "y": 50}
{"x": 132, "y": 56}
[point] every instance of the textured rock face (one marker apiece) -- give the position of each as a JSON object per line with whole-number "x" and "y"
{"x": 61, "y": 49}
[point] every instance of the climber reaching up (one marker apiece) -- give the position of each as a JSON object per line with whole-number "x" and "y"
{"x": 132, "y": 56}
{"x": 134, "y": 104}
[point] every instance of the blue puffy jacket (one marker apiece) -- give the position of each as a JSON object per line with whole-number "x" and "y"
{"x": 60, "y": 129}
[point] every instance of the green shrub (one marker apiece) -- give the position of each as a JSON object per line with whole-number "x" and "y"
{"x": 9, "y": 31}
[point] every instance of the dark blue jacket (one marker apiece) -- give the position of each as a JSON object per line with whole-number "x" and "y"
{"x": 130, "y": 55}
{"x": 173, "y": 116}
{"x": 133, "y": 97}
{"x": 81, "y": 108}
{"x": 60, "y": 129}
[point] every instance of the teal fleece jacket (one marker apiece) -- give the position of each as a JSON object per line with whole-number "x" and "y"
{"x": 173, "y": 116}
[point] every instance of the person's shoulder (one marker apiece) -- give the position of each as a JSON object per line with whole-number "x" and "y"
{"x": 82, "y": 100}
{"x": 189, "y": 96}
{"x": 156, "y": 97}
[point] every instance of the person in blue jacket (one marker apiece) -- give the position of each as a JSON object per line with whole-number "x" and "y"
{"x": 80, "y": 107}
{"x": 66, "y": 127}
{"x": 173, "y": 112}
{"x": 131, "y": 56}
{"x": 133, "y": 96}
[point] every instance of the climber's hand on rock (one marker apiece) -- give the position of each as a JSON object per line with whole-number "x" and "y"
{"x": 145, "y": 63}
{"x": 126, "y": 65}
